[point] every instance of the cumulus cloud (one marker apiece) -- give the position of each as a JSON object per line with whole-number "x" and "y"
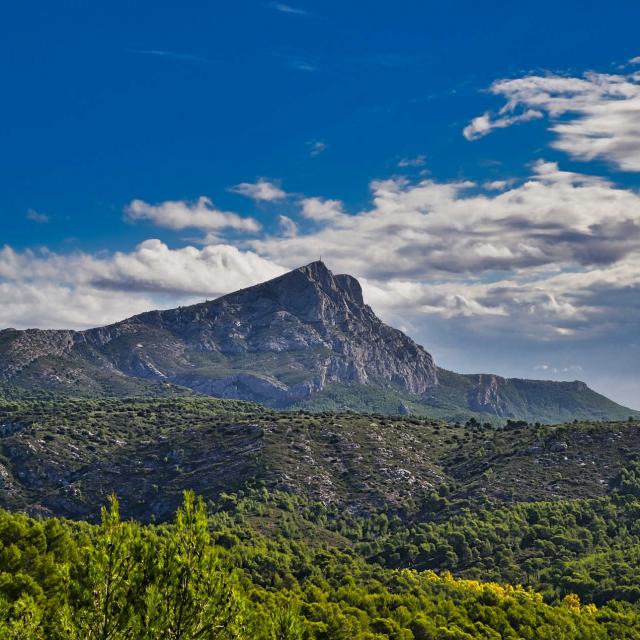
{"x": 49, "y": 305}
{"x": 210, "y": 271}
{"x": 594, "y": 116}
{"x": 81, "y": 290}
{"x": 180, "y": 214}
{"x": 321, "y": 210}
{"x": 262, "y": 190}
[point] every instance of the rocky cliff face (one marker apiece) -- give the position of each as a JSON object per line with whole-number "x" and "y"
{"x": 305, "y": 337}
{"x": 18, "y": 349}
{"x": 276, "y": 342}
{"x": 485, "y": 396}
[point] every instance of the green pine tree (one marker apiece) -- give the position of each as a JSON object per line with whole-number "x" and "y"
{"x": 115, "y": 578}
{"x": 192, "y": 597}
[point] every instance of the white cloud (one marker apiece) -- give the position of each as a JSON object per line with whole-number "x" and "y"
{"x": 262, "y": 190}
{"x": 48, "y": 305}
{"x": 497, "y": 185}
{"x": 172, "y": 55}
{"x": 179, "y": 214}
{"x": 303, "y": 65}
{"x": 417, "y": 161}
{"x": 549, "y": 254}
{"x": 316, "y": 147}
{"x": 288, "y": 227}
{"x": 80, "y": 290}
{"x": 286, "y": 8}
{"x": 425, "y": 230}
{"x": 551, "y": 257}
{"x": 397, "y": 297}
{"x": 36, "y": 216}
{"x": 594, "y": 117}
{"x": 321, "y": 210}
{"x": 210, "y": 271}
{"x": 484, "y": 124}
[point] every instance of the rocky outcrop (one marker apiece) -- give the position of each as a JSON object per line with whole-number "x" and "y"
{"x": 18, "y": 349}
{"x": 485, "y": 396}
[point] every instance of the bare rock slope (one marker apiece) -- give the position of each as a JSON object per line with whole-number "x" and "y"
{"x": 306, "y": 338}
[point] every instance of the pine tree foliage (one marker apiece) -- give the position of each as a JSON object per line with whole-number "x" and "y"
{"x": 217, "y": 576}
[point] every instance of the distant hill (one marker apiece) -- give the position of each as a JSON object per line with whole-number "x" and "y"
{"x": 305, "y": 339}
{"x": 65, "y": 457}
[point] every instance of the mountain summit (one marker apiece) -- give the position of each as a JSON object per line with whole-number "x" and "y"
{"x": 305, "y": 338}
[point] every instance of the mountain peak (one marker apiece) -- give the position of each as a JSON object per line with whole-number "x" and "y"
{"x": 305, "y": 334}
{"x": 311, "y": 292}
{"x": 316, "y": 269}
{"x": 345, "y": 285}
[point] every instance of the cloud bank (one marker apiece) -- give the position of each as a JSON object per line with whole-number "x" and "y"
{"x": 594, "y": 117}
{"x": 81, "y": 290}
{"x": 550, "y": 253}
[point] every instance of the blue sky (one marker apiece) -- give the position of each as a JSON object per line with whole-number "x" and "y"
{"x": 454, "y": 156}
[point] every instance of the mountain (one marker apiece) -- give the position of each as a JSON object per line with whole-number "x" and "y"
{"x": 305, "y": 340}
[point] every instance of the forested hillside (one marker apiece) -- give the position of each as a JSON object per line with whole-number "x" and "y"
{"x": 224, "y": 578}
{"x": 66, "y": 457}
{"x": 315, "y": 526}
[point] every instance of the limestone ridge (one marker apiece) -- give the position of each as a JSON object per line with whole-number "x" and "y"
{"x": 309, "y": 313}
{"x": 304, "y": 339}
{"x": 313, "y": 326}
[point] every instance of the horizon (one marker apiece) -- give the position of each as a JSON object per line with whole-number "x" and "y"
{"x": 485, "y": 195}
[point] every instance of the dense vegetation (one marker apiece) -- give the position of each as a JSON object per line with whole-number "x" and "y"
{"x": 124, "y": 580}
{"x": 65, "y": 457}
{"x": 313, "y": 525}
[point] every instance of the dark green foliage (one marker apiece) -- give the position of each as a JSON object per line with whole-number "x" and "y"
{"x": 147, "y": 583}
{"x": 319, "y": 526}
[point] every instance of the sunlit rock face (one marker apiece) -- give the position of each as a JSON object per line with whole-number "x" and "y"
{"x": 304, "y": 339}
{"x": 276, "y": 342}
